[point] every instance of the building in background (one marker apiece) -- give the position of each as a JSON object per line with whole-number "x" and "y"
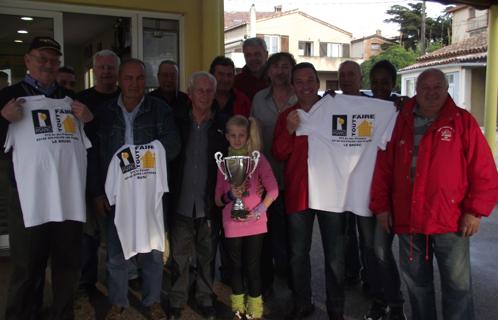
{"x": 294, "y": 31}
{"x": 463, "y": 61}
{"x": 366, "y": 47}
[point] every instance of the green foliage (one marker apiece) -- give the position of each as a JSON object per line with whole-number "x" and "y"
{"x": 409, "y": 20}
{"x": 397, "y": 55}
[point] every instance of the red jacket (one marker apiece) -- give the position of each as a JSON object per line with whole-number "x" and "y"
{"x": 293, "y": 150}
{"x": 455, "y": 173}
{"x": 249, "y": 84}
{"x": 241, "y": 104}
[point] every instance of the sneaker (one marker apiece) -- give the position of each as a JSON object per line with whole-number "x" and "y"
{"x": 116, "y": 313}
{"x": 156, "y": 312}
{"x": 377, "y": 311}
{"x": 396, "y": 313}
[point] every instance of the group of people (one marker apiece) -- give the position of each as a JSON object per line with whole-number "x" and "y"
{"x": 150, "y": 183}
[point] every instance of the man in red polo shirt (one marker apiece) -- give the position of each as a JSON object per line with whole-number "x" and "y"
{"x": 252, "y": 77}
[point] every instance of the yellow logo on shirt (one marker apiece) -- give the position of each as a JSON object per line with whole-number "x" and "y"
{"x": 365, "y": 129}
{"x": 69, "y": 125}
{"x": 148, "y": 160}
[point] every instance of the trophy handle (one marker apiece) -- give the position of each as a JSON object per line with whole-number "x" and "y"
{"x": 255, "y": 160}
{"x": 218, "y": 156}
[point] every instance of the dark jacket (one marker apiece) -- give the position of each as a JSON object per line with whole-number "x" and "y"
{"x": 154, "y": 120}
{"x": 216, "y": 142}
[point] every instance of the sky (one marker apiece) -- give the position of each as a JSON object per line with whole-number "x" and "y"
{"x": 360, "y": 17}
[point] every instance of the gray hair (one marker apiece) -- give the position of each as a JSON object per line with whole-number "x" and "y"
{"x": 198, "y": 75}
{"x": 106, "y": 53}
{"x": 435, "y": 71}
{"x": 254, "y": 42}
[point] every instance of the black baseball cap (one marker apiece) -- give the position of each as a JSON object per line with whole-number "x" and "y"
{"x": 45, "y": 43}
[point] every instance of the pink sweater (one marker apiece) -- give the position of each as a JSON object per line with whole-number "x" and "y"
{"x": 264, "y": 175}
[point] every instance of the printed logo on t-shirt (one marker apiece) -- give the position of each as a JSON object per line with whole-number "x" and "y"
{"x": 339, "y": 125}
{"x": 362, "y": 125}
{"x": 41, "y": 121}
{"x": 126, "y": 161}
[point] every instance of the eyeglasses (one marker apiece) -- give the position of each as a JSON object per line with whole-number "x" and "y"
{"x": 44, "y": 60}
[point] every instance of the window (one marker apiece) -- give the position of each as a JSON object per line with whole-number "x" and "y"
{"x": 472, "y": 13}
{"x": 272, "y": 44}
{"x": 410, "y": 87}
{"x": 375, "y": 46}
{"x": 453, "y": 85}
{"x": 306, "y": 48}
{"x": 334, "y": 50}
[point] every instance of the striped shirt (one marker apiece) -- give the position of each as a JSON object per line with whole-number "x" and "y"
{"x": 420, "y": 126}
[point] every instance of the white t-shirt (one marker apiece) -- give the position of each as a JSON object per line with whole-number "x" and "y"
{"x": 49, "y": 161}
{"x": 344, "y": 134}
{"x": 135, "y": 183}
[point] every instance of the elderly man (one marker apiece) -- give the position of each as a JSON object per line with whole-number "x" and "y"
{"x": 105, "y": 70}
{"x": 31, "y": 247}
{"x": 350, "y": 84}
{"x": 167, "y": 77}
{"x": 266, "y": 106}
{"x": 194, "y": 180}
{"x": 252, "y": 78}
{"x": 432, "y": 185}
{"x": 132, "y": 118}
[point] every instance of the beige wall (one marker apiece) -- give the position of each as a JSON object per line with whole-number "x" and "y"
{"x": 462, "y": 24}
{"x": 477, "y": 95}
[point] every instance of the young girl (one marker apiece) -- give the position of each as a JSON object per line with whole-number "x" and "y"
{"x": 244, "y": 237}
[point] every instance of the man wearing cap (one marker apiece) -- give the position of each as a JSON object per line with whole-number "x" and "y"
{"x": 32, "y": 246}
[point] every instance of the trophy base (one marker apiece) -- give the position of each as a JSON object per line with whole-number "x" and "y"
{"x": 239, "y": 214}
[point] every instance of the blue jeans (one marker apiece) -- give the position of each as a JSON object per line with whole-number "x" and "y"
{"x": 117, "y": 268}
{"x": 453, "y": 259}
{"x": 332, "y": 229}
{"x": 387, "y": 268}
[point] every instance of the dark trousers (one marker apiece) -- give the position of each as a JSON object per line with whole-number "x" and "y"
{"x": 275, "y": 252}
{"x": 244, "y": 259}
{"x": 218, "y": 245}
{"x": 191, "y": 238}
{"x": 353, "y": 263}
{"x": 388, "y": 273}
{"x": 332, "y": 229}
{"x": 30, "y": 249}
{"x": 89, "y": 264}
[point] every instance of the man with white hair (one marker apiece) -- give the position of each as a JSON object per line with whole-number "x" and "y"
{"x": 105, "y": 70}
{"x": 192, "y": 192}
{"x": 431, "y": 186}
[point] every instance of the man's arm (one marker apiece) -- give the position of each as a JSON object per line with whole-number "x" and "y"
{"x": 168, "y": 133}
{"x": 283, "y": 141}
{"x": 482, "y": 194}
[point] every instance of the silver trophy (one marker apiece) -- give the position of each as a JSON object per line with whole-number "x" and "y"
{"x": 236, "y": 169}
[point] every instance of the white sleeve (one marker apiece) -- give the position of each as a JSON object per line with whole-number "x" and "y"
{"x": 386, "y": 135}
{"x": 162, "y": 169}
{"x": 305, "y": 126}
{"x": 112, "y": 180}
{"x": 9, "y": 139}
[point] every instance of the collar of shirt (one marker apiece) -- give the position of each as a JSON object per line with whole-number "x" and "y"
{"x": 37, "y": 85}
{"x": 416, "y": 113}
{"x": 122, "y": 106}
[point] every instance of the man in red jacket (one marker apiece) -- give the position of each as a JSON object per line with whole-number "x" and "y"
{"x": 432, "y": 184}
